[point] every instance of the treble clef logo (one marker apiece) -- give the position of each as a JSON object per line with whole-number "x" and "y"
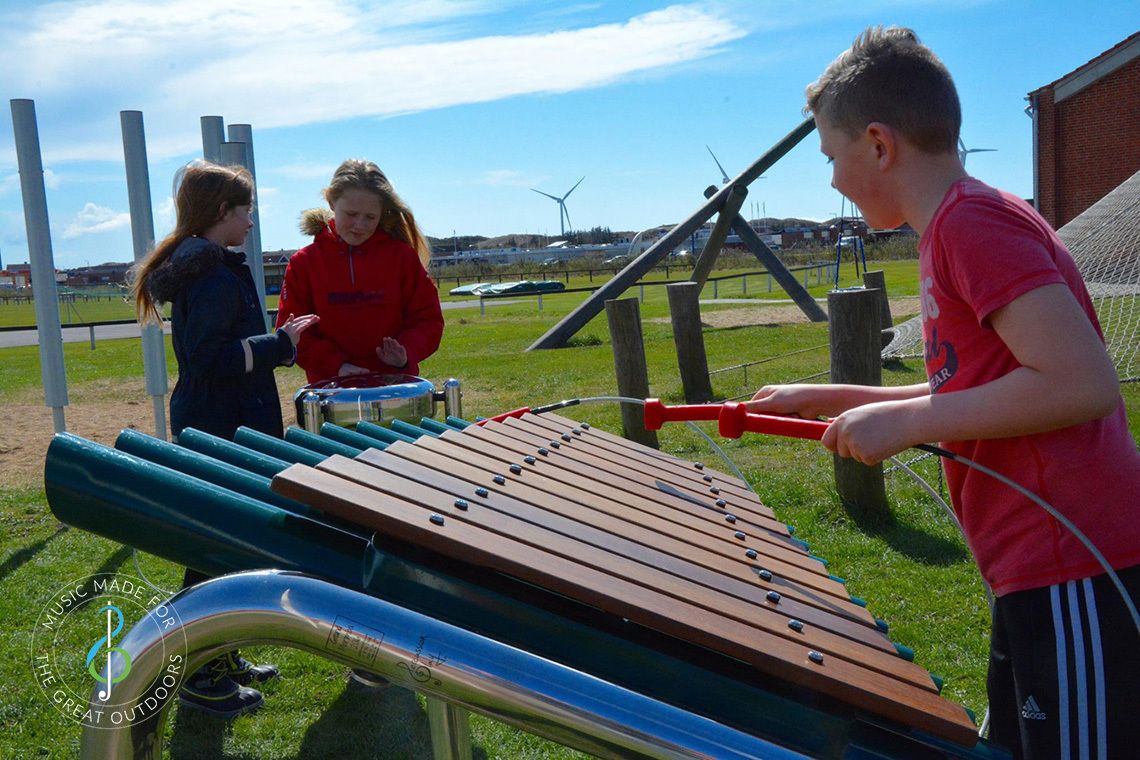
{"x": 105, "y": 694}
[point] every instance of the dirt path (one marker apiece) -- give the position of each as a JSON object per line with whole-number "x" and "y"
{"x": 777, "y": 314}
{"x": 97, "y": 412}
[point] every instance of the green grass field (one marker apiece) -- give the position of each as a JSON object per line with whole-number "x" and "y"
{"x": 310, "y": 712}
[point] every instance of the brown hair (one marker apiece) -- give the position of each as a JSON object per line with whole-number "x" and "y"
{"x": 206, "y": 192}
{"x": 396, "y": 217}
{"x": 889, "y": 76}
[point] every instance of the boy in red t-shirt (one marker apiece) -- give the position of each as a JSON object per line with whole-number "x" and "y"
{"x": 1019, "y": 381}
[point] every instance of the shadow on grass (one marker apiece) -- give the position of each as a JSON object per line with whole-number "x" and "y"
{"x": 365, "y": 722}
{"x": 908, "y": 540}
{"x": 360, "y": 723}
{"x": 115, "y": 561}
{"x": 198, "y": 737}
{"x": 18, "y": 558}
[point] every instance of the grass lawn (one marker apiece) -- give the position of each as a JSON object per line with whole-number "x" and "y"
{"x": 309, "y": 713}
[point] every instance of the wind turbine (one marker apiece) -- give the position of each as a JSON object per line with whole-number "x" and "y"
{"x": 963, "y": 151}
{"x": 723, "y": 173}
{"x": 563, "y": 214}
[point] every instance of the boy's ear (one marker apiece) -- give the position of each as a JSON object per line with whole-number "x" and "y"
{"x": 223, "y": 207}
{"x": 884, "y": 140}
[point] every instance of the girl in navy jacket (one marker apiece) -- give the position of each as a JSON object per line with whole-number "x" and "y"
{"x": 225, "y": 357}
{"x": 225, "y": 360}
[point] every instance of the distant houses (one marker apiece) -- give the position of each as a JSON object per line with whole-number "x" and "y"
{"x": 777, "y": 234}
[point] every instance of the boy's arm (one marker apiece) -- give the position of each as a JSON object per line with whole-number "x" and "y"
{"x": 811, "y": 401}
{"x": 1065, "y": 378}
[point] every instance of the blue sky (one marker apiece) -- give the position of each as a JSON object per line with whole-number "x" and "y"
{"x": 466, "y": 104}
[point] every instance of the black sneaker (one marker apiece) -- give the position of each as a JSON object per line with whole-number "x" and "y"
{"x": 245, "y": 672}
{"x": 371, "y": 680}
{"x": 215, "y": 693}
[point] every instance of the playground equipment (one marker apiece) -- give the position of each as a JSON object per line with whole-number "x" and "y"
{"x": 564, "y": 580}
{"x": 725, "y": 202}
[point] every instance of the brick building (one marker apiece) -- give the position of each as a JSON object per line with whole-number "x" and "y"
{"x": 1086, "y": 132}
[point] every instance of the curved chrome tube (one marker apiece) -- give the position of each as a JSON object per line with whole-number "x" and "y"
{"x": 412, "y": 650}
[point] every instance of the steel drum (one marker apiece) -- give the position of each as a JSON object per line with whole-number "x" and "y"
{"x": 375, "y": 397}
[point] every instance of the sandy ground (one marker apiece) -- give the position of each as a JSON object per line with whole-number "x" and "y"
{"x": 778, "y": 314}
{"x": 98, "y": 411}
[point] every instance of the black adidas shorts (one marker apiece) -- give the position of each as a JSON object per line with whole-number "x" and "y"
{"x": 1064, "y": 673}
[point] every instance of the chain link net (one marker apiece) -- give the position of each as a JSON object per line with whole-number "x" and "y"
{"x": 1105, "y": 243}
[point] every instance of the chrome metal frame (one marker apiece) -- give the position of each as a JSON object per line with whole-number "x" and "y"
{"x": 454, "y": 668}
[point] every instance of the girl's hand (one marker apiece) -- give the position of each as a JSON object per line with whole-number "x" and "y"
{"x": 392, "y": 353}
{"x": 294, "y": 326}
{"x": 351, "y": 369}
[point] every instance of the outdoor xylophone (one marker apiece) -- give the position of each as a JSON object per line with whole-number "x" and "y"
{"x": 655, "y": 576}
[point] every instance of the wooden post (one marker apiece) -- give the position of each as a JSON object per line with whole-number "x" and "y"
{"x": 685, "y": 310}
{"x": 877, "y": 281}
{"x": 855, "y": 344}
{"x": 624, "y": 316}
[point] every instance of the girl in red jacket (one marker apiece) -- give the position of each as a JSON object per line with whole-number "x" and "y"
{"x": 364, "y": 276}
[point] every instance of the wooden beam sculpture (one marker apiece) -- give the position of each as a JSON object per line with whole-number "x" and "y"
{"x": 557, "y": 335}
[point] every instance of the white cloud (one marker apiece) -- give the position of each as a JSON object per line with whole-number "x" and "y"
{"x": 164, "y": 216}
{"x": 277, "y": 64}
{"x": 93, "y": 218}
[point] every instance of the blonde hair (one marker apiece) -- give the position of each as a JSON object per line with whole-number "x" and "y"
{"x": 889, "y": 76}
{"x": 204, "y": 195}
{"x": 396, "y": 217}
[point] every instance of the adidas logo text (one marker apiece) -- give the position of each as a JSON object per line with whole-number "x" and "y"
{"x": 1031, "y": 711}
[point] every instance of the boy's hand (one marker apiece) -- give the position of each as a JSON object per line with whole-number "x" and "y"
{"x": 392, "y": 353}
{"x": 807, "y": 401}
{"x": 869, "y": 433}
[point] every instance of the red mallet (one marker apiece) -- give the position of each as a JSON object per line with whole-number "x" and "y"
{"x": 500, "y": 417}
{"x": 735, "y": 420}
{"x": 657, "y": 414}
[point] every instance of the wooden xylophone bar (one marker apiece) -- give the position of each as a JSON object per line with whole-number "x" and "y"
{"x": 637, "y": 535}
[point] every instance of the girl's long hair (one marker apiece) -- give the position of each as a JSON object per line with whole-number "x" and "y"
{"x": 206, "y": 192}
{"x": 396, "y": 217}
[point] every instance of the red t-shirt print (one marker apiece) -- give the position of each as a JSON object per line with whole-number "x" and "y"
{"x": 943, "y": 351}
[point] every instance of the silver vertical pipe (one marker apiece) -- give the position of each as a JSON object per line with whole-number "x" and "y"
{"x": 142, "y": 236}
{"x": 213, "y": 135}
{"x": 43, "y": 264}
{"x": 236, "y": 154}
{"x": 244, "y": 133}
